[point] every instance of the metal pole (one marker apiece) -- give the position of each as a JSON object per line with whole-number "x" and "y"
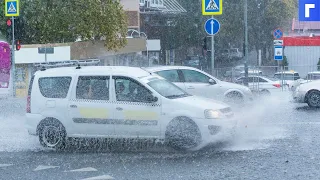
{"x": 13, "y": 69}
{"x": 212, "y": 50}
{"x": 45, "y": 54}
{"x": 246, "y": 41}
{"x": 148, "y": 53}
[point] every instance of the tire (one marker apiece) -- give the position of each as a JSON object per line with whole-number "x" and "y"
{"x": 234, "y": 97}
{"x": 52, "y": 134}
{"x": 182, "y": 134}
{"x": 313, "y": 99}
{"x": 265, "y": 92}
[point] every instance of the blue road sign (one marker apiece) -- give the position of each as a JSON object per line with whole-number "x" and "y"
{"x": 278, "y": 53}
{"x": 12, "y": 7}
{"x": 212, "y": 26}
{"x": 309, "y": 10}
{"x": 211, "y": 7}
{"x": 277, "y": 34}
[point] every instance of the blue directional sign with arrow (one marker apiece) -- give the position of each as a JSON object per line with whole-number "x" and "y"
{"x": 212, "y": 26}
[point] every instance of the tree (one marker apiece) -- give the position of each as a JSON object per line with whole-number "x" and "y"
{"x": 285, "y": 63}
{"x": 318, "y": 65}
{"x": 56, "y": 21}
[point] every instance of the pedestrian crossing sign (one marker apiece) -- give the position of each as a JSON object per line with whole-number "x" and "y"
{"x": 211, "y": 7}
{"x": 12, "y": 7}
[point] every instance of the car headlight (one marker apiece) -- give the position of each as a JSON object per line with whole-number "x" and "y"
{"x": 212, "y": 114}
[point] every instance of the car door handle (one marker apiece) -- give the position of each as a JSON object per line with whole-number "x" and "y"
{"x": 190, "y": 87}
{"x": 119, "y": 108}
{"x": 73, "y": 106}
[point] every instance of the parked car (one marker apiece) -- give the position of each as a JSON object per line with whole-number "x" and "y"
{"x": 289, "y": 77}
{"x": 200, "y": 83}
{"x": 308, "y": 93}
{"x": 311, "y": 76}
{"x": 262, "y": 84}
{"x": 119, "y": 102}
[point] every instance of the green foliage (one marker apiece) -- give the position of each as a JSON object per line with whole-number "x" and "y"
{"x": 54, "y": 21}
{"x": 285, "y": 63}
{"x": 263, "y": 17}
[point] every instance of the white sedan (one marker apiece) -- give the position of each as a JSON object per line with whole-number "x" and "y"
{"x": 197, "y": 82}
{"x": 308, "y": 93}
{"x": 263, "y": 85}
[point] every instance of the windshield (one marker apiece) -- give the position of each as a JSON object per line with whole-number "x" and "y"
{"x": 314, "y": 76}
{"x": 167, "y": 89}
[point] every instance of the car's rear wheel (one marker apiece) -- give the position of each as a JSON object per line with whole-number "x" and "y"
{"x": 313, "y": 99}
{"x": 234, "y": 98}
{"x": 183, "y": 134}
{"x": 52, "y": 134}
{"x": 265, "y": 92}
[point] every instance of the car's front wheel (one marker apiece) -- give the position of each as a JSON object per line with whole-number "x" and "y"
{"x": 313, "y": 99}
{"x": 234, "y": 98}
{"x": 52, "y": 134}
{"x": 183, "y": 134}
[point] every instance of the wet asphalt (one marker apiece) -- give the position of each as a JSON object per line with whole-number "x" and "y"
{"x": 275, "y": 140}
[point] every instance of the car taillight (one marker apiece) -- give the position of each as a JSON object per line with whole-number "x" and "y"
{"x": 28, "y": 104}
{"x": 277, "y": 85}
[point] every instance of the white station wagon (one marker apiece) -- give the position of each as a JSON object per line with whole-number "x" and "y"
{"x": 119, "y": 102}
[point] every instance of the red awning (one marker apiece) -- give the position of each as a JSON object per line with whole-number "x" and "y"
{"x": 301, "y": 41}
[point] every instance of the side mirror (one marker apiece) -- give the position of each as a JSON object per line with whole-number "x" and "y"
{"x": 150, "y": 98}
{"x": 212, "y": 82}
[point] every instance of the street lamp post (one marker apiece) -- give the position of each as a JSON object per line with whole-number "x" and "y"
{"x": 246, "y": 41}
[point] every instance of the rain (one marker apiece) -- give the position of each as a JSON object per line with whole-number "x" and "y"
{"x": 159, "y": 89}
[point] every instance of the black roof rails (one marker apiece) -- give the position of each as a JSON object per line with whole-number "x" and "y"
{"x": 78, "y": 63}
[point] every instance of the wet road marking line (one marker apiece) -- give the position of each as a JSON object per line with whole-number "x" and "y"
{"x": 88, "y": 169}
{"x": 104, "y": 177}
{"x": 5, "y": 165}
{"x": 41, "y": 167}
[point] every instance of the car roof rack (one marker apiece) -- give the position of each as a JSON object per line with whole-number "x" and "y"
{"x": 69, "y": 63}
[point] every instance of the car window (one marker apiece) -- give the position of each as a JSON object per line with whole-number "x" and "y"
{"x": 250, "y": 79}
{"x": 194, "y": 76}
{"x": 262, "y": 80}
{"x": 296, "y": 76}
{"x": 130, "y": 90}
{"x": 54, "y": 87}
{"x": 93, "y": 88}
{"x": 170, "y": 75}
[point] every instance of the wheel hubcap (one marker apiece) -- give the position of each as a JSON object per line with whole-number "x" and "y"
{"x": 51, "y": 136}
{"x": 315, "y": 99}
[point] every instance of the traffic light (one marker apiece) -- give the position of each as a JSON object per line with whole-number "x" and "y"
{"x": 205, "y": 43}
{"x": 9, "y": 30}
{"x": 18, "y": 45}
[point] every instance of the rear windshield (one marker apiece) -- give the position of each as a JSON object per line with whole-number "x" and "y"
{"x": 54, "y": 87}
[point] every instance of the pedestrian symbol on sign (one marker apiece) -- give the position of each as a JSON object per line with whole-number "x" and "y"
{"x": 212, "y": 5}
{"x": 11, "y": 8}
